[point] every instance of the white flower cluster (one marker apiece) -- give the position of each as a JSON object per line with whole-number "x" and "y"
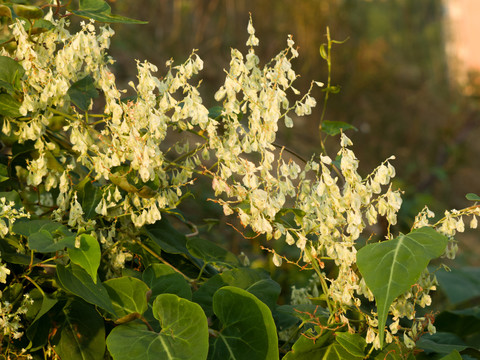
{"x": 10, "y": 318}
{"x": 8, "y": 215}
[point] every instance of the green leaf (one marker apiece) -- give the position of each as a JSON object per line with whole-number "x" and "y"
{"x": 353, "y": 343}
{"x": 80, "y": 334}
{"x": 45, "y": 242}
{"x": 28, "y": 11}
{"x": 464, "y": 322}
{"x": 184, "y": 334}
{"x": 4, "y": 173}
{"x": 11, "y": 73}
{"x": 460, "y": 285}
{"x": 255, "y": 281}
{"x": 214, "y": 112}
{"x": 210, "y": 252}
{"x": 472, "y": 197}
{"x": 441, "y": 343}
{"x": 5, "y": 11}
{"x": 87, "y": 255}
{"x": 77, "y": 281}
{"x": 248, "y": 330}
{"x": 333, "y": 128}
{"x": 391, "y": 267}
{"x": 9, "y": 106}
{"x": 89, "y": 196}
{"x": 128, "y": 295}
{"x": 27, "y": 227}
{"x": 454, "y": 355}
{"x": 164, "y": 280}
{"x": 167, "y": 237}
{"x": 45, "y": 236}
{"x": 323, "y": 52}
{"x": 99, "y": 10}
{"x": 39, "y": 328}
{"x": 82, "y": 92}
{"x": 309, "y": 346}
{"x": 392, "y": 352}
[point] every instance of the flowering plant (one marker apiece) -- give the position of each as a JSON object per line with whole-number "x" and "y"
{"x": 91, "y": 185}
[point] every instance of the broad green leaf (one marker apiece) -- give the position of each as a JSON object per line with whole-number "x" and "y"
{"x": 164, "y": 280}
{"x": 247, "y": 327}
{"x": 464, "y": 322}
{"x": 309, "y": 346}
{"x": 9, "y": 106}
{"x": 167, "y": 237}
{"x": 255, "y": 281}
{"x": 459, "y": 285}
{"x": 354, "y": 344}
{"x": 82, "y": 92}
{"x": 454, "y": 355}
{"x": 183, "y": 335}
{"x": 87, "y": 255}
{"x": 391, "y": 267}
{"x": 10, "y": 73}
{"x": 472, "y": 197}
{"x": 99, "y": 10}
{"x": 28, "y": 11}
{"x": 77, "y": 281}
{"x": 211, "y": 252}
{"x": 80, "y": 334}
{"x": 27, "y": 227}
{"x": 333, "y": 128}
{"x": 45, "y": 242}
{"x": 128, "y": 295}
{"x": 45, "y": 236}
{"x": 441, "y": 343}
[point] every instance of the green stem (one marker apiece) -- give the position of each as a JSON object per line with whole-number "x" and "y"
{"x": 67, "y": 116}
{"x": 34, "y": 283}
{"x": 323, "y": 283}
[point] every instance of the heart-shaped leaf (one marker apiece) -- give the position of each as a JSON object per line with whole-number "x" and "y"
{"x": 391, "y": 267}
{"x": 248, "y": 330}
{"x": 128, "y": 295}
{"x": 87, "y": 255}
{"x": 183, "y": 335}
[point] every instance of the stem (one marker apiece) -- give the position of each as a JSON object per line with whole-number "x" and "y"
{"x": 146, "y": 323}
{"x": 323, "y": 283}
{"x": 67, "y": 116}
{"x": 327, "y": 89}
{"x": 34, "y": 283}
{"x": 158, "y": 257}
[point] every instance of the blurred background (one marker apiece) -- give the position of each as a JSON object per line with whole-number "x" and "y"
{"x": 407, "y": 73}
